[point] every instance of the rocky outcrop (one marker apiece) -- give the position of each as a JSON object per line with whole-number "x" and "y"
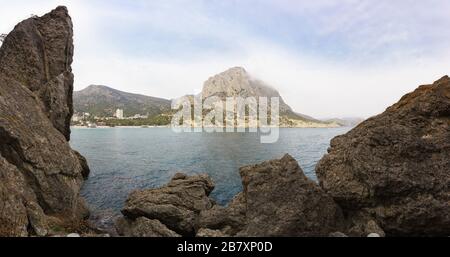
{"x": 143, "y": 227}
{"x": 220, "y": 220}
{"x": 38, "y": 54}
{"x": 237, "y": 82}
{"x": 176, "y": 205}
{"x": 393, "y": 170}
{"x": 278, "y": 200}
{"x": 40, "y": 174}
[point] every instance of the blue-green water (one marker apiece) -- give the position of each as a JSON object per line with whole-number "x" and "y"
{"x": 125, "y": 159}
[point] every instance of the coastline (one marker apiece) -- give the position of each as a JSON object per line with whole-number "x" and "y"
{"x": 106, "y": 127}
{"x": 168, "y": 126}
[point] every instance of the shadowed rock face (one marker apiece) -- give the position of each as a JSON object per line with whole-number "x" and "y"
{"x": 282, "y": 201}
{"x": 37, "y": 54}
{"x": 278, "y": 200}
{"x": 40, "y": 175}
{"x": 395, "y": 167}
{"x": 176, "y": 205}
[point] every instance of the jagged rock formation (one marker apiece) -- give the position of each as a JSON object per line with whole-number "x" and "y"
{"x": 394, "y": 168}
{"x": 236, "y": 82}
{"x": 143, "y": 227}
{"x": 278, "y": 200}
{"x": 177, "y": 205}
{"x": 40, "y": 175}
{"x": 38, "y": 54}
{"x": 220, "y": 220}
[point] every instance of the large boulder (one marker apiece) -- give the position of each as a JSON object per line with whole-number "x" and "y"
{"x": 229, "y": 220}
{"x": 394, "y": 168}
{"x": 40, "y": 174}
{"x": 278, "y": 200}
{"x": 143, "y": 227}
{"x": 176, "y": 205}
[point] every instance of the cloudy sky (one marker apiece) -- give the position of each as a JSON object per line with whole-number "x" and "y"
{"x": 336, "y": 58}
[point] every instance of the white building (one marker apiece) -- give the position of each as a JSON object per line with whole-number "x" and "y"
{"x": 119, "y": 114}
{"x": 76, "y": 118}
{"x": 139, "y": 116}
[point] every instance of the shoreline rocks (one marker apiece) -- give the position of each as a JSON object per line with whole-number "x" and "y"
{"x": 278, "y": 200}
{"x": 176, "y": 205}
{"x": 394, "y": 168}
{"x": 389, "y": 176}
{"x": 40, "y": 175}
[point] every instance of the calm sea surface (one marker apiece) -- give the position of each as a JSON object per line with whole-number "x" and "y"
{"x": 125, "y": 159}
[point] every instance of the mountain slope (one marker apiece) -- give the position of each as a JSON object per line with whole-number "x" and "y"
{"x": 237, "y": 82}
{"x": 347, "y": 122}
{"x": 103, "y": 101}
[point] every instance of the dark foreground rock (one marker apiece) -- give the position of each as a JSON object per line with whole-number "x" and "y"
{"x": 278, "y": 200}
{"x": 393, "y": 170}
{"x": 143, "y": 227}
{"x": 176, "y": 205}
{"x": 220, "y": 220}
{"x": 40, "y": 175}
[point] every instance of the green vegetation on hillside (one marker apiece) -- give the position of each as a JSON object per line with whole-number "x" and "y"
{"x": 102, "y": 101}
{"x": 159, "y": 120}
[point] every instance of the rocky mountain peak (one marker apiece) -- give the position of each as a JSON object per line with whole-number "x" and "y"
{"x": 102, "y": 101}
{"x": 237, "y": 71}
{"x": 446, "y": 78}
{"x": 237, "y": 81}
{"x": 95, "y": 88}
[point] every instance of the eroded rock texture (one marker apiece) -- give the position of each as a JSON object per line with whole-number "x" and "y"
{"x": 176, "y": 205}
{"x": 278, "y": 200}
{"x": 143, "y": 227}
{"x": 40, "y": 174}
{"x": 394, "y": 168}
